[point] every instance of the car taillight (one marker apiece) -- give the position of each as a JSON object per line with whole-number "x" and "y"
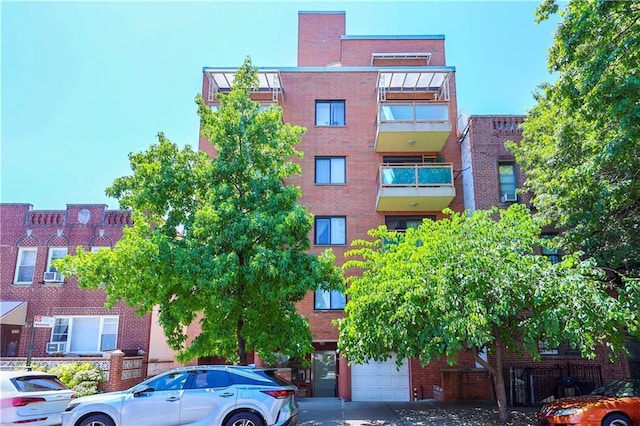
{"x": 21, "y": 401}
{"x": 278, "y": 394}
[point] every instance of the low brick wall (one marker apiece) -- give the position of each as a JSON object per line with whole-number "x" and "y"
{"x": 466, "y": 384}
{"x": 120, "y": 372}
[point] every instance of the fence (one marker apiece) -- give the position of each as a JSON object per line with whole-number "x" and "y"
{"x": 120, "y": 372}
{"x": 528, "y": 385}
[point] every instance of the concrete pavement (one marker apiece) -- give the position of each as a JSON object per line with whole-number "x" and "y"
{"x": 336, "y": 412}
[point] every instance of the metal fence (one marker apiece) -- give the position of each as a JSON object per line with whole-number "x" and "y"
{"x": 527, "y": 384}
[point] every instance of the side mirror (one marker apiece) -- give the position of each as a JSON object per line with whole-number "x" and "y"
{"x": 142, "y": 390}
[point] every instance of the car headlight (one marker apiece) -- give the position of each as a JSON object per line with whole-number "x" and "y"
{"x": 565, "y": 411}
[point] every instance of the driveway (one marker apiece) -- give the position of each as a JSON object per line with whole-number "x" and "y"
{"x": 334, "y": 412}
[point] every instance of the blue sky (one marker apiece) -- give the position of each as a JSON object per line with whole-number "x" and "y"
{"x": 86, "y": 83}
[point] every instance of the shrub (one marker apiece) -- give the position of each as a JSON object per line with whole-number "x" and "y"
{"x": 83, "y": 379}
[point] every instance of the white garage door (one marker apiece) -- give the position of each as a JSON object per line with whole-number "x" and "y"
{"x": 380, "y": 381}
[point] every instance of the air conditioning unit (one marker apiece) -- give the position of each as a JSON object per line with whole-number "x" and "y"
{"x": 52, "y": 277}
{"x": 509, "y": 197}
{"x": 56, "y": 347}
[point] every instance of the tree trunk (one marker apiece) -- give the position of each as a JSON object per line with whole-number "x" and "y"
{"x": 242, "y": 349}
{"x": 497, "y": 377}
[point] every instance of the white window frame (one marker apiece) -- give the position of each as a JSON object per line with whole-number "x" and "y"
{"x": 99, "y": 335}
{"x": 50, "y": 258}
{"x": 21, "y": 253}
{"x": 336, "y": 223}
{"x": 337, "y": 170}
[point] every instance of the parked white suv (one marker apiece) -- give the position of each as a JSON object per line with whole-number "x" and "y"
{"x": 199, "y": 395}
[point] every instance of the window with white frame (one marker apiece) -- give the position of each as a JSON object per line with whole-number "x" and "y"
{"x": 329, "y": 300}
{"x": 330, "y": 113}
{"x": 331, "y": 231}
{"x": 330, "y": 170}
{"x": 25, "y": 265}
{"x": 85, "y": 334}
{"x": 52, "y": 273}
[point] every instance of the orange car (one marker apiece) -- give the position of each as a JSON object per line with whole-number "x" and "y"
{"x": 614, "y": 404}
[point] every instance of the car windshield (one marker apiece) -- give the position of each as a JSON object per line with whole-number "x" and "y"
{"x": 619, "y": 389}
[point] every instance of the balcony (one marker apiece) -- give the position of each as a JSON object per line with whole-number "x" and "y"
{"x": 412, "y": 127}
{"x": 415, "y": 187}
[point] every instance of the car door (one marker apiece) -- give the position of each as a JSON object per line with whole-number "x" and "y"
{"x": 209, "y": 395}
{"x": 159, "y": 406}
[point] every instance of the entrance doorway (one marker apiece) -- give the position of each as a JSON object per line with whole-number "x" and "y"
{"x": 324, "y": 374}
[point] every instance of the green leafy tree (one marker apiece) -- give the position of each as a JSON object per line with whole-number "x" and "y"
{"x": 582, "y": 138}
{"x": 470, "y": 282}
{"x": 219, "y": 240}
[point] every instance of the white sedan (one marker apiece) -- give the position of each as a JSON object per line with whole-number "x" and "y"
{"x": 32, "y": 397}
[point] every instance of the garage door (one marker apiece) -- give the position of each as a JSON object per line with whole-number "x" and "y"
{"x": 380, "y": 381}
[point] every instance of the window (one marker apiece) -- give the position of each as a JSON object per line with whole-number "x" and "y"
{"x": 552, "y": 254}
{"x": 86, "y": 334}
{"x": 170, "y": 381}
{"x": 507, "y": 173}
{"x": 565, "y": 349}
{"x": 330, "y": 170}
{"x": 329, "y": 300}
{"x": 330, "y": 113}
{"x": 206, "y": 379}
{"x": 402, "y": 223}
{"x": 26, "y": 265}
{"x": 331, "y": 231}
{"x": 55, "y": 253}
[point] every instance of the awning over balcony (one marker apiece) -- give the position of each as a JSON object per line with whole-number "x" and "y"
{"x": 13, "y": 312}
{"x": 221, "y": 80}
{"x": 435, "y": 81}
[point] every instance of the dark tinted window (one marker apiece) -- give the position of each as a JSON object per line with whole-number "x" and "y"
{"x": 38, "y": 383}
{"x": 205, "y": 379}
{"x": 258, "y": 377}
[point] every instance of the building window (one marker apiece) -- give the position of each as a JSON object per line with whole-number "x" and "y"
{"x": 330, "y": 170}
{"x": 402, "y": 223}
{"x": 55, "y": 253}
{"x": 330, "y": 113}
{"x": 26, "y": 265}
{"x": 507, "y": 173}
{"x": 85, "y": 334}
{"x": 331, "y": 231}
{"x": 334, "y": 300}
{"x": 553, "y": 254}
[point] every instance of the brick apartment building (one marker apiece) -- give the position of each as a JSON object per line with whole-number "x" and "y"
{"x": 30, "y": 286}
{"x": 380, "y": 148}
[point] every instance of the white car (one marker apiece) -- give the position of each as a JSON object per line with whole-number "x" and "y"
{"x": 211, "y": 395}
{"x": 32, "y": 398}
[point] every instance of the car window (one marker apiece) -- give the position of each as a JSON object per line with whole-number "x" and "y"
{"x": 206, "y": 379}
{"x": 258, "y": 377}
{"x": 38, "y": 383}
{"x": 171, "y": 381}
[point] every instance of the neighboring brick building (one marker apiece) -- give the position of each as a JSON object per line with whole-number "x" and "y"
{"x": 30, "y": 287}
{"x": 380, "y": 148}
{"x": 491, "y": 177}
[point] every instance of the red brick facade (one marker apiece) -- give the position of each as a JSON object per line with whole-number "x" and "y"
{"x": 90, "y": 225}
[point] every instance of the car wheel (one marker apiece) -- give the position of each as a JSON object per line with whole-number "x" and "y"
{"x": 244, "y": 418}
{"x": 97, "y": 420}
{"x": 616, "y": 420}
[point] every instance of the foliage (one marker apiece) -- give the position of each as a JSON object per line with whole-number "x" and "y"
{"x": 83, "y": 378}
{"x": 469, "y": 282}
{"x": 582, "y": 137}
{"x": 217, "y": 240}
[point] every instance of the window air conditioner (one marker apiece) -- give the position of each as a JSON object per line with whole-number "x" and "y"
{"x": 509, "y": 197}
{"x": 52, "y": 277}
{"x": 56, "y": 347}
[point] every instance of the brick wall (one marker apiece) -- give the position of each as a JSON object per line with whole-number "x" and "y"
{"x": 84, "y": 225}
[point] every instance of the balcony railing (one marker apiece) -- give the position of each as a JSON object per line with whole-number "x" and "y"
{"x": 413, "y": 112}
{"x": 416, "y": 175}
{"x": 415, "y": 187}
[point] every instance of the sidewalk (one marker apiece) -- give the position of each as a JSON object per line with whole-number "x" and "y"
{"x": 336, "y": 412}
